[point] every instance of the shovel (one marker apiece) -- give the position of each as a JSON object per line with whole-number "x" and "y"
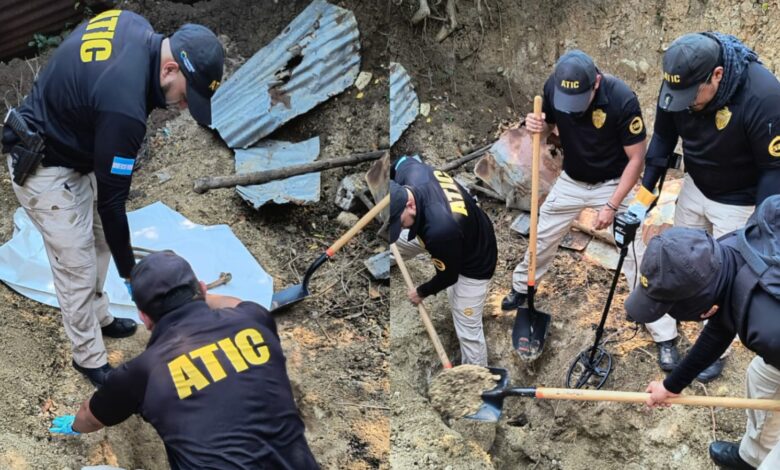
{"x": 294, "y": 294}
{"x": 445, "y": 362}
{"x": 493, "y": 400}
{"x": 531, "y": 325}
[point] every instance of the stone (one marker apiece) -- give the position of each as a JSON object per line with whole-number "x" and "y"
{"x": 347, "y": 219}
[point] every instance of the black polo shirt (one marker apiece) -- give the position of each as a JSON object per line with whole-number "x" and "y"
{"x": 458, "y": 234}
{"x": 213, "y": 383}
{"x": 593, "y": 141}
{"x": 90, "y": 102}
{"x": 728, "y": 153}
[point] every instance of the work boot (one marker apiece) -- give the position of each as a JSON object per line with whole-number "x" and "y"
{"x": 97, "y": 375}
{"x": 513, "y": 300}
{"x": 119, "y": 328}
{"x": 712, "y": 372}
{"x": 726, "y": 455}
{"x": 668, "y": 357}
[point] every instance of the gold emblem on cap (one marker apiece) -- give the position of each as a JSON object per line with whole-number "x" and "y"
{"x": 438, "y": 264}
{"x": 599, "y": 117}
{"x": 774, "y": 147}
{"x": 643, "y": 281}
{"x": 636, "y": 125}
{"x": 214, "y": 85}
{"x": 722, "y": 118}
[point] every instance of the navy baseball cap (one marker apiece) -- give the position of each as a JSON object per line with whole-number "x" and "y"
{"x": 201, "y": 58}
{"x": 163, "y": 281}
{"x": 687, "y": 63}
{"x": 575, "y": 76}
{"x": 679, "y": 275}
{"x": 398, "y": 198}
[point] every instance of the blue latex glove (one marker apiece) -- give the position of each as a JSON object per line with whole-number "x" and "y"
{"x": 129, "y": 288}
{"x": 638, "y": 210}
{"x": 63, "y": 425}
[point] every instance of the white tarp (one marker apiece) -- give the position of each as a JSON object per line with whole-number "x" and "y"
{"x": 209, "y": 249}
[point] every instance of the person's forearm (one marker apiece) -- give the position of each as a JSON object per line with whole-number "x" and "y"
{"x": 627, "y": 181}
{"x": 216, "y": 301}
{"x": 85, "y": 421}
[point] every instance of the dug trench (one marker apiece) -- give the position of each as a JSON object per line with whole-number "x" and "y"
{"x": 478, "y": 81}
{"x": 335, "y": 342}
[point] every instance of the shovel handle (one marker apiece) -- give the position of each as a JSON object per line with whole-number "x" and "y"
{"x": 536, "y": 147}
{"x": 384, "y": 202}
{"x": 445, "y": 362}
{"x": 638, "y": 397}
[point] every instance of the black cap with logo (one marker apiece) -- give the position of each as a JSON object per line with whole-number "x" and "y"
{"x": 201, "y": 58}
{"x": 163, "y": 281}
{"x": 687, "y": 63}
{"x": 575, "y": 76}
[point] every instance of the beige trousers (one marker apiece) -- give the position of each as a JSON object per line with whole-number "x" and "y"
{"x": 759, "y": 446}
{"x": 566, "y": 200}
{"x": 61, "y": 203}
{"x": 467, "y": 301}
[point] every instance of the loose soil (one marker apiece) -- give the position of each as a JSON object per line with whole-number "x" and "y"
{"x": 336, "y": 342}
{"x": 455, "y": 392}
{"x": 477, "y": 81}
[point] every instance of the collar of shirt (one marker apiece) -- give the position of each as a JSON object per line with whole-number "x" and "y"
{"x": 156, "y": 94}
{"x": 175, "y": 316}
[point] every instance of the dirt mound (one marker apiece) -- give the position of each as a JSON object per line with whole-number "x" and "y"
{"x": 456, "y": 392}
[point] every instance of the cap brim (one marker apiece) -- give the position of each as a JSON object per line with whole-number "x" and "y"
{"x": 674, "y": 101}
{"x": 571, "y": 103}
{"x": 199, "y": 106}
{"x": 641, "y": 308}
{"x": 395, "y": 230}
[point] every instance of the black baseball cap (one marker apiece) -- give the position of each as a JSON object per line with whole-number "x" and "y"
{"x": 163, "y": 281}
{"x": 687, "y": 63}
{"x": 398, "y": 198}
{"x": 679, "y": 266}
{"x": 575, "y": 76}
{"x": 201, "y": 58}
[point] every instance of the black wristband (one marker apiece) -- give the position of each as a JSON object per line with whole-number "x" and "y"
{"x": 609, "y": 204}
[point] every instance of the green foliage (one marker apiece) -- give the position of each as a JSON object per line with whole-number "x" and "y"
{"x": 42, "y": 42}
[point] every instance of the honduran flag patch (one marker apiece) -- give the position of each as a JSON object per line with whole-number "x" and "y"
{"x": 122, "y": 166}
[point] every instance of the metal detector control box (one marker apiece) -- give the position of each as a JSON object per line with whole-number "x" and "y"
{"x": 624, "y": 228}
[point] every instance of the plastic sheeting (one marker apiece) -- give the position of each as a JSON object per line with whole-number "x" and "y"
{"x": 270, "y": 155}
{"x": 209, "y": 249}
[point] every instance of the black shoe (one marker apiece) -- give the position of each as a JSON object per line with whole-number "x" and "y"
{"x": 96, "y": 376}
{"x": 119, "y": 328}
{"x": 726, "y": 455}
{"x": 513, "y": 300}
{"x": 668, "y": 357}
{"x": 712, "y": 372}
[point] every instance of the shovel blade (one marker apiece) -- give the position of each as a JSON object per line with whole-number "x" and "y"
{"x": 533, "y": 325}
{"x": 493, "y": 399}
{"x": 288, "y": 297}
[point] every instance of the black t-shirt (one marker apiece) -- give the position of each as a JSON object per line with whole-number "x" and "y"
{"x": 90, "y": 103}
{"x": 213, "y": 383}
{"x": 458, "y": 234}
{"x": 729, "y": 151}
{"x": 593, "y": 142}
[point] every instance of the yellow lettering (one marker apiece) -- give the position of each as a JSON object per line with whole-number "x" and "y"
{"x": 251, "y": 344}
{"x": 451, "y": 192}
{"x": 671, "y": 78}
{"x": 206, "y": 354}
{"x": 97, "y": 35}
{"x": 95, "y": 50}
{"x": 570, "y": 84}
{"x": 233, "y": 355}
{"x": 185, "y": 376}
{"x": 459, "y": 207}
{"x": 106, "y": 14}
{"x": 96, "y": 46}
{"x": 109, "y": 24}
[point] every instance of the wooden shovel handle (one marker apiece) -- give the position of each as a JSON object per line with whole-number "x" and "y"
{"x": 638, "y": 397}
{"x": 536, "y": 146}
{"x": 358, "y": 226}
{"x": 445, "y": 362}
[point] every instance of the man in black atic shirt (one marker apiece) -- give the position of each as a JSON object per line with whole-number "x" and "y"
{"x": 90, "y": 105}
{"x": 442, "y": 218}
{"x": 735, "y": 282}
{"x": 212, "y": 380}
{"x": 725, "y": 106}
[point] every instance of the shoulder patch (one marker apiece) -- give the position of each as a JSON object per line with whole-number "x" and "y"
{"x": 636, "y": 125}
{"x": 774, "y": 147}
{"x": 438, "y": 264}
{"x": 122, "y": 166}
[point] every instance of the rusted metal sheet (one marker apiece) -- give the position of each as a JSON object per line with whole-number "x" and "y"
{"x": 506, "y": 168}
{"x": 316, "y": 57}
{"x": 404, "y": 105}
{"x": 271, "y": 154}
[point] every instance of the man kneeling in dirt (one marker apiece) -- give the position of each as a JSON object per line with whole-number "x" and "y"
{"x": 212, "y": 380}
{"x": 439, "y": 216}
{"x": 733, "y": 281}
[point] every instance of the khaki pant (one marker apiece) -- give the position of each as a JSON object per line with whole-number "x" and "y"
{"x": 566, "y": 200}
{"x": 467, "y": 301}
{"x": 61, "y": 203}
{"x": 759, "y": 444}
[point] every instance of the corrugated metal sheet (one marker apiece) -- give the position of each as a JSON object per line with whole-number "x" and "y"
{"x": 271, "y": 154}
{"x": 404, "y": 105}
{"x": 270, "y": 89}
{"x": 20, "y": 20}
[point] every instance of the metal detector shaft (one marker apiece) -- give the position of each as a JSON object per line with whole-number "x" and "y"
{"x": 600, "y": 329}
